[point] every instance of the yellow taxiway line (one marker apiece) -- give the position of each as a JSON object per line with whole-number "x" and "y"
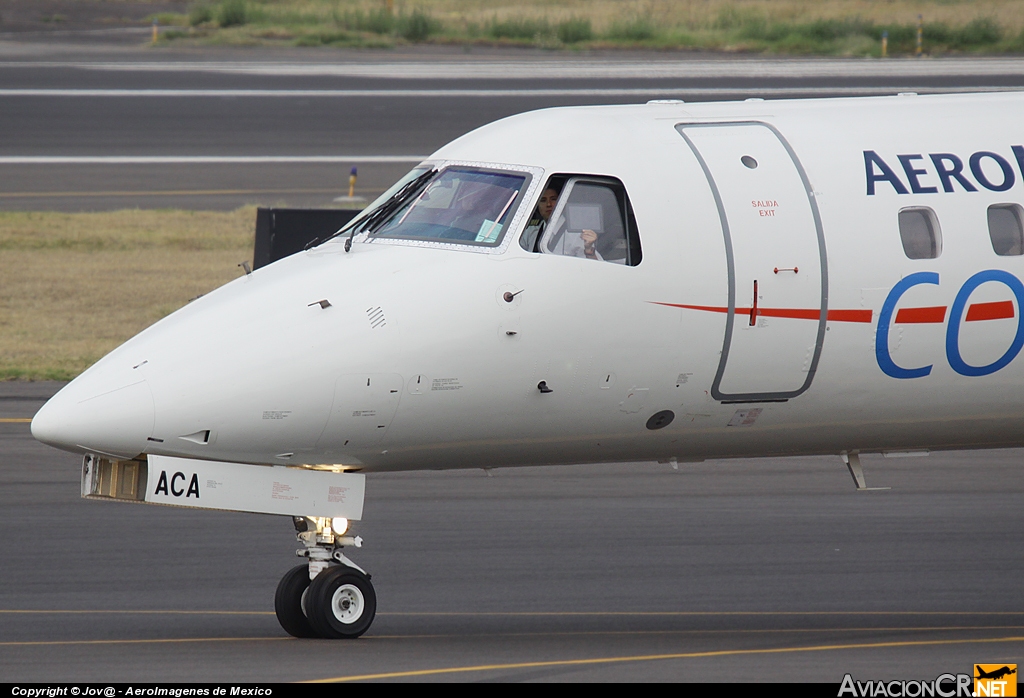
{"x": 657, "y": 657}
{"x": 15, "y": 420}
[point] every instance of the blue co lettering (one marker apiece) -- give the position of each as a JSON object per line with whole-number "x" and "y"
{"x": 885, "y": 361}
{"x": 957, "y": 312}
{"x": 956, "y": 316}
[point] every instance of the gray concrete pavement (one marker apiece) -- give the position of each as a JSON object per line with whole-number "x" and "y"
{"x": 528, "y": 567}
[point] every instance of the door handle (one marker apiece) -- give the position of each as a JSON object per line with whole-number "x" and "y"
{"x": 753, "y": 307}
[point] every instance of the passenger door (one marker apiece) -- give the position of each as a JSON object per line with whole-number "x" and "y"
{"x": 775, "y": 249}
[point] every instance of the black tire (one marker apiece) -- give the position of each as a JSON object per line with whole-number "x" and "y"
{"x": 341, "y": 603}
{"x": 288, "y": 603}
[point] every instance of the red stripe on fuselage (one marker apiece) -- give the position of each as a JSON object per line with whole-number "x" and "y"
{"x": 795, "y": 313}
{"x": 990, "y": 311}
{"x": 999, "y": 310}
{"x": 849, "y": 315}
{"x": 908, "y": 316}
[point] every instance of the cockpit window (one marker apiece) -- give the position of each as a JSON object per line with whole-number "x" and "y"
{"x": 459, "y": 204}
{"x": 394, "y": 189}
{"x": 592, "y": 219}
{"x": 364, "y": 220}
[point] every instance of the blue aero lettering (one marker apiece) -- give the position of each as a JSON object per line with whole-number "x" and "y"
{"x": 927, "y": 174}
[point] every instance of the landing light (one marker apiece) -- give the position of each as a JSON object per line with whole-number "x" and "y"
{"x": 339, "y": 525}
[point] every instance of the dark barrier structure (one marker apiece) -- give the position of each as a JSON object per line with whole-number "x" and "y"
{"x": 284, "y": 231}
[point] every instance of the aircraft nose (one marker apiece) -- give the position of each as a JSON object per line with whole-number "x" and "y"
{"x": 115, "y": 422}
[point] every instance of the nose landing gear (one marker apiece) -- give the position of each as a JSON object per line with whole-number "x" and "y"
{"x": 330, "y": 596}
{"x": 341, "y": 602}
{"x": 290, "y": 603}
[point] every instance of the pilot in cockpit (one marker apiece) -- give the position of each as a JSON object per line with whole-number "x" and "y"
{"x": 539, "y": 221}
{"x": 581, "y": 245}
{"x": 576, "y": 231}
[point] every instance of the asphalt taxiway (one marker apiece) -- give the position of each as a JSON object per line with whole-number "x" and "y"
{"x": 752, "y": 570}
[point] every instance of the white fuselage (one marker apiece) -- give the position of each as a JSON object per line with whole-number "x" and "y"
{"x": 419, "y": 361}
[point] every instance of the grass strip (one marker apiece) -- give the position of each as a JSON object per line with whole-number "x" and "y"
{"x": 77, "y": 285}
{"x": 804, "y": 27}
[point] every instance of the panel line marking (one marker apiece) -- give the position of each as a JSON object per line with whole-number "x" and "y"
{"x": 657, "y": 657}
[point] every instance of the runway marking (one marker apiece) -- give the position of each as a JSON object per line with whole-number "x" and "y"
{"x": 27, "y": 643}
{"x": 201, "y": 159}
{"x": 32, "y": 643}
{"x": 702, "y": 613}
{"x": 654, "y": 92}
{"x": 559, "y": 68}
{"x": 542, "y": 614}
{"x": 163, "y": 192}
{"x": 748, "y": 631}
{"x": 657, "y": 657}
{"x": 15, "y": 420}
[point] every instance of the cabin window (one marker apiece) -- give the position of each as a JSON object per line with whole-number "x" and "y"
{"x": 592, "y": 218}
{"x": 919, "y": 231}
{"x": 468, "y": 205}
{"x": 1006, "y": 229}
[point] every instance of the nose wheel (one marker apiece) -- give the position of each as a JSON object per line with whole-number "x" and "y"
{"x": 288, "y": 603}
{"x": 341, "y": 603}
{"x": 329, "y": 597}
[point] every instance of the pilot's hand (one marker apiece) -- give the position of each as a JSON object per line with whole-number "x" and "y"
{"x": 589, "y": 237}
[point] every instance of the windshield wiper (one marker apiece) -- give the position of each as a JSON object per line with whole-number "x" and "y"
{"x": 382, "y": 211}
{"x": 374, "y": 221}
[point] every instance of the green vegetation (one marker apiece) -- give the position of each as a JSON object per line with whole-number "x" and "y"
{"x": 825, "y": 27}
{"x": 233, "y": 13}
{"x": 830, "y": 36}
{"x": 575, "y": 30}
{"x": 200, "y": 13}
{"x": 633, "y": 30}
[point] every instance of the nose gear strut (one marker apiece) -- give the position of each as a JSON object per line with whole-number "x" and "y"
{"x": 330, "y": 596}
